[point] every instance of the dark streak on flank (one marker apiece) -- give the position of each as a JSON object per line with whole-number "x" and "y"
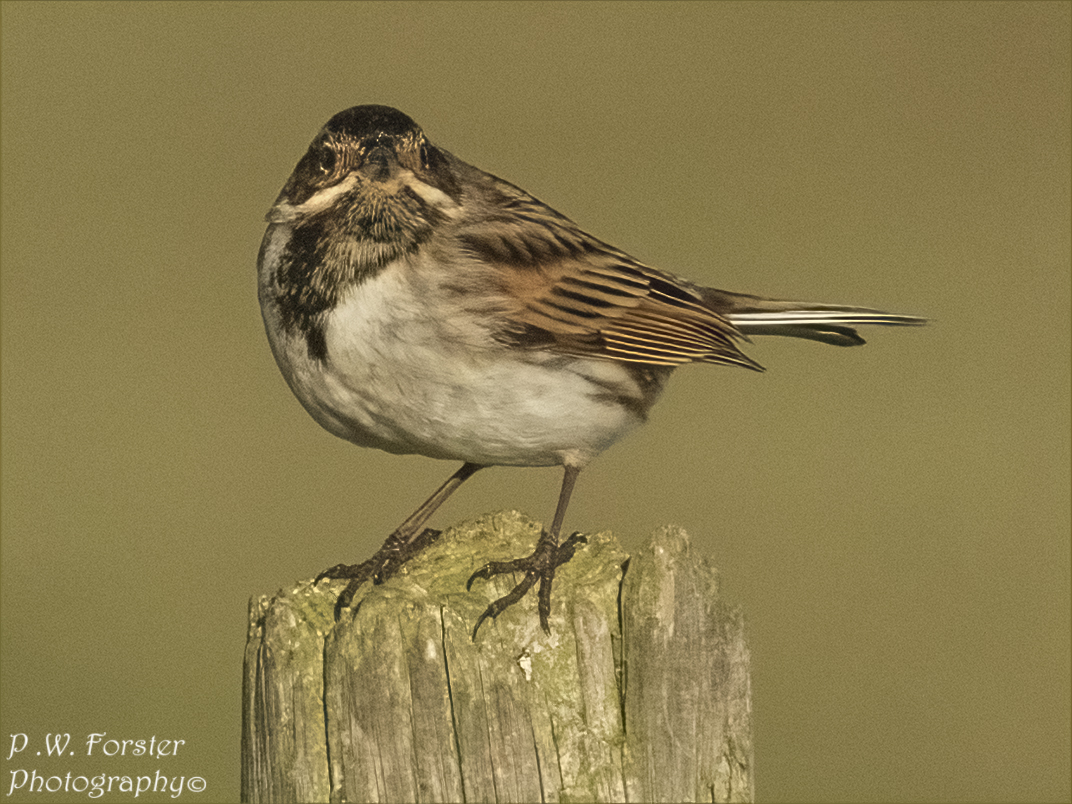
{"x": 303, "y": 296}
{"x": 649, "y": 379}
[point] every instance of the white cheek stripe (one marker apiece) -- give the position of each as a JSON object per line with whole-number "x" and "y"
{"x": 432, "y": 195}
{"x": 285, "y": 213}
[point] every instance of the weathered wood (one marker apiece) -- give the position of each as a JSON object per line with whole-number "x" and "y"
{"x": 283, "y": 749}
{"x": 641, "y": 693}
{"x": 688, "y": 697}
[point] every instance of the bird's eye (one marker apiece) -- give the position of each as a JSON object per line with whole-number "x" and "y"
{"x": 424, "y": 155}
{"x": 326, "y": 161}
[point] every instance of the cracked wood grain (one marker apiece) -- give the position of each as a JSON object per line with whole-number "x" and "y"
{"x": 641, "y": 693}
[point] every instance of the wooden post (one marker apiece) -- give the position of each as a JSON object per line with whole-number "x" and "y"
{"x": 641, "y": 693}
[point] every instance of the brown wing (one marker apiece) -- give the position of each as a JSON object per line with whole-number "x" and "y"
{"x": 574, "y": 294}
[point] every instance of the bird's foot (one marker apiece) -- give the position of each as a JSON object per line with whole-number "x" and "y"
{"x": 395, "y": 552}
{"x": 541, "y": 566}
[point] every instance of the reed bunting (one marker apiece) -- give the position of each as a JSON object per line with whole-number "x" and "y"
{"x": 417, "y": 304}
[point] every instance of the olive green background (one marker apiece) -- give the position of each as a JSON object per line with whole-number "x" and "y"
{"x": 893, "y": 519}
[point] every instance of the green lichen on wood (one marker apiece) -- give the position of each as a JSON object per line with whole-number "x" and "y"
{"x": 506, "y": 713}
{"x": 283, "y": 750}
{"x": 417, "y": 711}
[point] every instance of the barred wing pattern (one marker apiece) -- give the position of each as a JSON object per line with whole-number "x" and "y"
{"x": 575, "y": 294}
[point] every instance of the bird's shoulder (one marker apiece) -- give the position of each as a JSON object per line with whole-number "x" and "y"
{"x": 568, "y": 291}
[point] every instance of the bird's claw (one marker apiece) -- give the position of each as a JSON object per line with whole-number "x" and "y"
{"x": 395, "y": 552}
{"x": 541, "y": 565}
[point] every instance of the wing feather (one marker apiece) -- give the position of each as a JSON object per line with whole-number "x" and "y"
{"x": 574, "y": 294}
{"x": 557, "y": 288}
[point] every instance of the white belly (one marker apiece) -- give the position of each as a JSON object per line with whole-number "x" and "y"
{"x": 409, "y": 371}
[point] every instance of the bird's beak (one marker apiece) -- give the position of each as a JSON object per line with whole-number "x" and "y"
{"x": 380, "y": 163}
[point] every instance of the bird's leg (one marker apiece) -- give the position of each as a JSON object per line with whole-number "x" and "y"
{"x": 541, "y": 565}
{"x": 407, "y": 540}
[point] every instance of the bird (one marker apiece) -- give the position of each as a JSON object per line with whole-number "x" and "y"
{"x": 419, "y": 305}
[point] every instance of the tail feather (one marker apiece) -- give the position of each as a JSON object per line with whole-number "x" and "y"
{"x": 825, "y": 323}
{"x": 828, "y": 323}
